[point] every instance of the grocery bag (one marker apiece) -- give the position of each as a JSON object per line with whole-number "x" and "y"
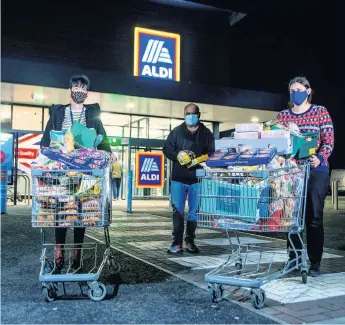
{"x": 83, "y": 136}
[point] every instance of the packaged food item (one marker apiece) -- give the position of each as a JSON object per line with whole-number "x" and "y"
{"x": 249, "y": 127}
{"x": 71, "y": 206}
{"x": 184, "y": 157}
{"x": 91, "y": 205}
{"x": 271, "y": 134}
{"x": 45, "y": 221}
{"x": 230, "y": 156}
{"x": 69, "y": 142}
{"x": 69, "y": 221}
{"x": 265, "y": 150}
{"x": 90, "y": 219}
{"x": 197, "y": 161}
{"x": 70, "y": 199}
{"x": 246, "y": 135}
{"x": 217, "y": 155}
{"x": 67, "y": 212}
{"x": 262, "y": 155}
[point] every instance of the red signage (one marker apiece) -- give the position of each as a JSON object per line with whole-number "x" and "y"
{"x": 27, "y": 153}
{"x": 2, "y": 157}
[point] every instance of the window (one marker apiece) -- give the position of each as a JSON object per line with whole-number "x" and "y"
{"x": 5, "y": 117}
{"x": 27, "y": 118}
{"x": 140, "y": 127}
{"x": 159, "y": 128}
{"x": 45, "y": 117}
{"x": 116, "y": 125}
{"x": 175, "y": 123}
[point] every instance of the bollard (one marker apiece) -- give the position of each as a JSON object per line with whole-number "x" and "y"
{"x": 3, "y": 191}
{"x": 335, "y": 195}
{"x": 129, "y": 191}
{"x": 332, "y": 192}
{"x": 170, "y": 209}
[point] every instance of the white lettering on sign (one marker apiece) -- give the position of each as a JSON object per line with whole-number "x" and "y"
{"x": 148, "y": 177}
{"x": 162, "y": 72}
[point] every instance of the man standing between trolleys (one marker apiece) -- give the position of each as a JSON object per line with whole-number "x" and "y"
{"x": 194, "y": 139}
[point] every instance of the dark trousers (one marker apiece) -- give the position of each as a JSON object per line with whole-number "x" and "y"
{"x": 116, "y": 184}
{"x": 317, "y": 191}
{"x": 60, "y": 235}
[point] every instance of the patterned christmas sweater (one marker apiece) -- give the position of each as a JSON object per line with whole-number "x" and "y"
{"x": 315, "y": 119}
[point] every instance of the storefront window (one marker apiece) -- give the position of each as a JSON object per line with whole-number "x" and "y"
{"x": 5, "y": 117}
{"x": 140, "y": 126}
{"x": 27, "y": 118}
{"x": 116, "y": 125}
{"x": 45, "y": 117}
{"x": 175, "y": 123}
{"x": 159, "y": 128}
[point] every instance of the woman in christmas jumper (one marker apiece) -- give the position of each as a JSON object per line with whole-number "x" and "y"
{"x": 312, "y": 118}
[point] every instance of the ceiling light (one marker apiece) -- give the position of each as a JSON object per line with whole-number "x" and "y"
{"x": 255, "y": 119}
{"x": 130, "y": 105}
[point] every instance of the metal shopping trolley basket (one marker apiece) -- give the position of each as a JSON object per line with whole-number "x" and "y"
{"x": 259, "y": 201}
{"x": 73, "y": 199}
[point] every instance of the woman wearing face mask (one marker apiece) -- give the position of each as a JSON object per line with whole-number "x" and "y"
{"x": 312, "y": 118}
{"x": 61, "y": 119}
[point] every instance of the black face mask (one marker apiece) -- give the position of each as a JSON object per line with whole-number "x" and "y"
{"x": 78, "y": 96}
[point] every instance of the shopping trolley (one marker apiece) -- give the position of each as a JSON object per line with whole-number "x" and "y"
{"x": 256, "y": 201}
{"x": 73, "y": 199}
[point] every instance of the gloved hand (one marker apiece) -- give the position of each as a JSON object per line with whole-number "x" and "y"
{"x": 184, "y": 157}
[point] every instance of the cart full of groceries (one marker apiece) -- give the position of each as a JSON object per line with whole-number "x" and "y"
{"x": 71, "y": 188}
{"x": 256, "y": 181}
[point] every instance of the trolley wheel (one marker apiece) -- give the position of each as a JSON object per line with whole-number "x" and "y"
{"x": 97, "y": 291}
{"x": 217, "y": 292}
{"x": 113, "y": 266}
{"x": 49, "y": 293}
{"x": 238, "y": 267}
{"x": 304, "y": 275}
{"x": 258, "y": 298}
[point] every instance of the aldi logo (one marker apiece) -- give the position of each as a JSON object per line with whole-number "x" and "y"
{"x": 149, "y": 170}
{"x": 156, "y": 54}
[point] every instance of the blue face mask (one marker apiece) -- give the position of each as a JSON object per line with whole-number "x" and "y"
{"x": 298, "y": 97}
{"x": 192, "y": 120}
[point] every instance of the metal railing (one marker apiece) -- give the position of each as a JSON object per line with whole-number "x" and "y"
{"x": 27, "y": 191}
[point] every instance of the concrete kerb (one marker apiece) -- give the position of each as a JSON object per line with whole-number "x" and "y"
{"x": 250, "y": 308}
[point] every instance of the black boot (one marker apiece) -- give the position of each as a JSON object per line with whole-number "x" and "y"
{"x": 314, "y": 270}
{"x": 190, "y": 236}
{"x": 178, "y": 228}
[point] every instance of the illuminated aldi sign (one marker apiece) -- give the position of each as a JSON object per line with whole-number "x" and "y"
{"x": 156, "y": 54}
{"x": 149, "y": 170}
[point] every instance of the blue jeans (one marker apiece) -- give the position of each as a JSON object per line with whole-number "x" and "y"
{"x": 115, "y": 184}
{"x": 179, "y": 193}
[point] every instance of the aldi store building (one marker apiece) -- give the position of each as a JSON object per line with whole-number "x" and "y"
{"x": 140, "y": 103}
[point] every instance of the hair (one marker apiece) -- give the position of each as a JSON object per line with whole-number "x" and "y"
{"x": 79, "y": 80}
{"x": 197, "y": 109}
{"x": 303, "y": 81}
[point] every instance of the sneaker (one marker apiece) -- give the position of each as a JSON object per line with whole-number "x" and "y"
{"x": 314, "y": 270}
{"x": 175, "y": 249}
{"x": 192, "y": 248}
